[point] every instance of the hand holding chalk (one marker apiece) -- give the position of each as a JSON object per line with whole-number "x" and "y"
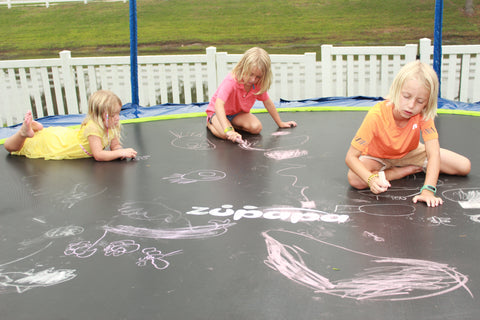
{"x": 383, "y": 180}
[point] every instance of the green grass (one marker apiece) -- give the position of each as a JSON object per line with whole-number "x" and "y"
{"x": 189, "y": 26}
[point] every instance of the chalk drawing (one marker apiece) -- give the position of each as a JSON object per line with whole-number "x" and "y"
{"x": 287, "y": 142}
{"x": 196, "y": 176}
{"x": 23, "y": 281}
{"x": 437, "y": 221}
{"x": 60, "y": 232}
{"x": 80, "y": 192}
{"x": 304, "y": 200}
{"x": 475, "y": 218}
{"x": 467, "y": 198}
{"x": 382, "y": 210}
{"x": 156, "y": 258}
{"x": 290, "y": 214}
{"x": 214, "y": 228}
{"x": 191, "y": 141}
{"x": 285, "y": 154}
{"x": 149, "y": 211}
{"x": 373, "y": 236}
{"x": 397, "y": 193}
{"x": 86, "y": 249}
{"x": 380, "y": 278}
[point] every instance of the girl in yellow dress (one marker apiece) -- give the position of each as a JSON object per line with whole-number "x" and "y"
{"x": 97, "y": 137}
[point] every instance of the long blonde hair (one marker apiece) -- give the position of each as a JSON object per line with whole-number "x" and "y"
{"x": 100, "y": 104}
{"x": 424, "y": 74}
{"x": 255, "y": 58}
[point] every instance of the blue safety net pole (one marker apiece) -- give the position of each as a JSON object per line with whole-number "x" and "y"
{"x": 437, "y": 41}
{"x": 133, "y": 55}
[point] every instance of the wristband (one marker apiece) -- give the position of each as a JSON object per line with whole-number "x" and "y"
{"x": 373, "y": 176}
{"x": 429, "y": 188}
{"x": 228, "y": 129}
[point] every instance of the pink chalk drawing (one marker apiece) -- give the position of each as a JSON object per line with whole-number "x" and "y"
{"x": 379, "y": 278}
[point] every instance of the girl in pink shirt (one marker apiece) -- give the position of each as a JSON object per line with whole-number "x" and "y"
{"x": 230, "y": 106}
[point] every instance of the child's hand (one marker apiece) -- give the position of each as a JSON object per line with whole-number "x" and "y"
{"x": 288, "y": 124}
{"x": 429, "y": 198}
{"x": 379, "y": 184}
{"x": 128, "y": 153}
{"x": 233, "y": 136}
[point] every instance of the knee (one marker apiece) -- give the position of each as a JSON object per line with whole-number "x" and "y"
{"x": 355, "y": 181}
{"x": 254, "y": 128}
{"x": 465, "y": 167}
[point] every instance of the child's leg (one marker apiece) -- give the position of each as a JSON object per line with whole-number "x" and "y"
{"x": 371, "y": 164}
{"x": 395, "y": 173}
{"x": 247, "y": 122}
{"x": 216, "y": 128}
{"x": 27, "y": 130}
{"x": 453, "y": 163}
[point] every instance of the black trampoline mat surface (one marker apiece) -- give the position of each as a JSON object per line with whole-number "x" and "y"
{"x": 201, "y": 228}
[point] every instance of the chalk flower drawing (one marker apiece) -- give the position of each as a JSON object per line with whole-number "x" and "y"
{"x": 383, "y": 278}
{"x": 23, "y": 281}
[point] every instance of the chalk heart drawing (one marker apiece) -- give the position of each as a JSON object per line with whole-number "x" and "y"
{"x": 191, "y": 141}
{"x": 23, "y": 281}
{"x": 378, "y": 278}
{"x": 467, "y": 198}
{"x": 204, "y": 175}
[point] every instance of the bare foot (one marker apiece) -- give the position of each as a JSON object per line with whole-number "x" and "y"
{"x": 26, "y": 129}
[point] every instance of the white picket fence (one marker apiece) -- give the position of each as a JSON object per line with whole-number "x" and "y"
{"x": 63, "y": 85}
{"x": 46, "y": 3}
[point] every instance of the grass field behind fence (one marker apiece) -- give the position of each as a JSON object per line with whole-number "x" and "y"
{"x": 189, "y": 26}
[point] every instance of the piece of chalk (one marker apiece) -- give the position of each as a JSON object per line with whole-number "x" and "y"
{"x": 381, "y": 175}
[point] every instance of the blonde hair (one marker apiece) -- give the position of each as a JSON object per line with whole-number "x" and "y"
{"x": 424, "y": 74}
{"x": 255, "y": 58}
{"x": 101, "y": 103}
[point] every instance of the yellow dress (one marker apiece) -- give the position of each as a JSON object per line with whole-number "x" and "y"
{"x": 57, "y": 143}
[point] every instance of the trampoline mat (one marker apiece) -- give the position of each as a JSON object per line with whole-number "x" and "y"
{"x": 201, "y": 228}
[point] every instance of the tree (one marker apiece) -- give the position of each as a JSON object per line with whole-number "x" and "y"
{"x": 469, "y": 7}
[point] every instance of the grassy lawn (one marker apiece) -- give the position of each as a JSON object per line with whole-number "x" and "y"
{"x": 189, "y": 26}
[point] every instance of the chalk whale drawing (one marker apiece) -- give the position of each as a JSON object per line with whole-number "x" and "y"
{"x": 377, "y": 278}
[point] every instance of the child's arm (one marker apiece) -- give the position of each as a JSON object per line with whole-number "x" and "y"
{"x": 361, "y": 176}
{"x": 225, "y": 125}
{"x": 107, "y": 155}
{"x": 431, "y": 177}
{"x": 272, "y": 110}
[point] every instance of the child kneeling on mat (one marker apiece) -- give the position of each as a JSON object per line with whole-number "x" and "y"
{"x": 97, "y": 137}
{"x": 388, "y": 140}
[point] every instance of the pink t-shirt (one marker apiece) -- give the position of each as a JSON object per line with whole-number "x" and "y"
{"x": 235, "y": 97}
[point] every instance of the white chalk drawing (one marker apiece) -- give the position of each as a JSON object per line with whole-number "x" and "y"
{"x": 380, "y": 278}
{"x": 304, "y": 200}
{"x": 214, "y": 228}
{"x": 192, "y": 141}
{"x": 287, "y": 142}
{"x": 285, "y": 154}
{"x": 467, "y": 198}
{"x": 373, "y": 236}
{"x": 397, "y": 193}
{"x": 382, "y": 210}
{"x": 475, "y": 218}
{"x": 141, "y": 210}
{"x": 140, "y": 158}
{"x": 59, "y": 232}
{"x": 86, "y": 249}
{"x": 196, "y": 176}
{"x": 437, "y": 221}
{"x": 290, "y": 214}
{"x": 23, "y": 281}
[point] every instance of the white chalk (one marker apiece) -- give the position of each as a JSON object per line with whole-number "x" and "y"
{"x": 381, "y": 175}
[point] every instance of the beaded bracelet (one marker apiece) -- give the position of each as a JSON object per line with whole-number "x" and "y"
{"x": 373, "y": 176}
{"x": 429, "y": 188}
{"x": 228, "y": 129}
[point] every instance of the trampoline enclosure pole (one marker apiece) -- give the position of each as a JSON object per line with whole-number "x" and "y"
{"x": 437, "y": 41}
{"x": 133, "y": 55}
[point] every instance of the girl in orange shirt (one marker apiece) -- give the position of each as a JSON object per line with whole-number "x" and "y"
{"x": 388, "y": 140}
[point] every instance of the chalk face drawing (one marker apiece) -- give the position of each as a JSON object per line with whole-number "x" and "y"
{"x": 467, "y": 198}
{"x": 196, "y": 176}
{"x": 290, "y": 214}
{"x": 191, "y": 141}
{"x": 380, "y": 278}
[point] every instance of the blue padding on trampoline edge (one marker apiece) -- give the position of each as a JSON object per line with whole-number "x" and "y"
{"x": 130, "y": 112}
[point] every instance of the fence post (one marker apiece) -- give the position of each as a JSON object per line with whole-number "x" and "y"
{"x": 310, "y": 74}
{"x": 211, "y": 71}
{"x": 326, "y": 56}
{"x": 425, "y": 50}
{"x": 69, "y": 82}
